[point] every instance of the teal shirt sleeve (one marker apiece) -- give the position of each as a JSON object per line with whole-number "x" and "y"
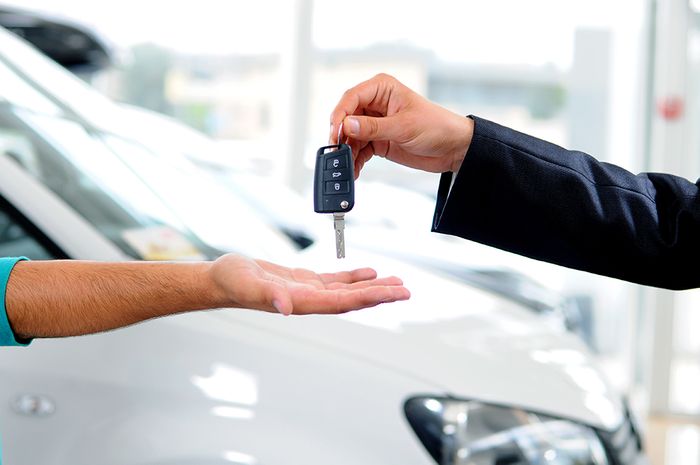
{"x": 7, "y": 337}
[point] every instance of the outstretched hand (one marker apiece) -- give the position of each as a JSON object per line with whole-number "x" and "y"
{"x": 262, "y": 285}
{"x": 383, "y": 117}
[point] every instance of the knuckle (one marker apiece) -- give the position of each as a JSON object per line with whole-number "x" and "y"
{"x": 372, "y": 127}
{"x": 336, "y": 115}
{"x": 384, "y": 77}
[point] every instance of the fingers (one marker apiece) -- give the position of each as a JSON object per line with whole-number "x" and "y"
{"x": 370, "y": 112}
{"x": 363, "y": 157}
{"x": 342, "y": 301}
{"x": 370, "y": 128}
{"x": 361, "y": 274}
{"x": 373, "y": 94}
{"x": 370, "y": 297}
{"x": 390, "y": 281}
{"x": 356, "y": 99}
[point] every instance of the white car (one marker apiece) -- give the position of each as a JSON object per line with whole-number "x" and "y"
{"x": 455, "y": 376}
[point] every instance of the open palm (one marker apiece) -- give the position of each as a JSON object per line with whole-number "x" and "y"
{"x": 262, "y": 285}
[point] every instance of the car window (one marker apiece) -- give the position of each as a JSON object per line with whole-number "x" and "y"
{"x": 18, "y": 92}
{"x": 87, "y": 176}
{"x": 16, "y": 241}
{"x": 119, "y": 186}
{"x": 32, "y": 66}
{"x": 208, "y": 208}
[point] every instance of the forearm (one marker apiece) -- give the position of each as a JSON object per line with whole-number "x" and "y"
{"x": 531, "y": 197}
{"x": 67, "y": 298}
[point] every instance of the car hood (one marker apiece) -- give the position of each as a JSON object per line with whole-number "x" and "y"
{"x": 465, "y": 342}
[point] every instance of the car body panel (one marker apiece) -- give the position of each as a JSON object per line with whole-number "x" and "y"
{"x": 462, "y": 326}
{"x": 218, "y": 390}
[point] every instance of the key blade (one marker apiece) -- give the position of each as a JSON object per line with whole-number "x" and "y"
{"x": 339, "y": 226}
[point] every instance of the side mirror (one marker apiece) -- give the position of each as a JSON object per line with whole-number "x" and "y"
{"x": 70, "y": 45}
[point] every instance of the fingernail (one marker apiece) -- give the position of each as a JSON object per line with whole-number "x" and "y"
{"x": 278, "y": 306}
{"x": 353, "y": 125}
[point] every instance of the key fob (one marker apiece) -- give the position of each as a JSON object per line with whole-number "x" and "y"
{"x": 334, "y": 180}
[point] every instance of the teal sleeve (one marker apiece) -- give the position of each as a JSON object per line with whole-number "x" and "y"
{"x": 7, "y": 337}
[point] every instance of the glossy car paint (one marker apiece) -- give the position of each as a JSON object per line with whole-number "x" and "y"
{"x": 258, "y": 387}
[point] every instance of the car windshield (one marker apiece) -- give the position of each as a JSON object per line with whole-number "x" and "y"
{"x": 59, "y": 85}
{"x": 82, "y": 171}
{"x": 212, "y": 211}
{"x": 149, "y": 204}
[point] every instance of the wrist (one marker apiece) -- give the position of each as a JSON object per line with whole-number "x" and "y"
{"x": 464, "y": 132}
{"x": 460, "y": 132}
{"x": 213, "y": 290}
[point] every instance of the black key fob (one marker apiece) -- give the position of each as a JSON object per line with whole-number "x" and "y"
{"x": 334, "y": 179}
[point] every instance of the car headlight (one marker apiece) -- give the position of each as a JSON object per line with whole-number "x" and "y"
{"x": 459, "y": 432}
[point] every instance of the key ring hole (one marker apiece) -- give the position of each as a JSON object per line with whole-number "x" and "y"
{"x": 340, "y": 133}
{"x": 330, "y": 148}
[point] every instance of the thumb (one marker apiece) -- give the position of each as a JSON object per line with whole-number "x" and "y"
{"x": 368, "y": 128}
{"x": 278, "y": 298}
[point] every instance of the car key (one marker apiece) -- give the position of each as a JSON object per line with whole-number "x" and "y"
{"x": 334, "y": 187}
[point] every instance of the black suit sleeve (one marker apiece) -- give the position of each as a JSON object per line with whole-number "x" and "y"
{"x": 528, "y": 196}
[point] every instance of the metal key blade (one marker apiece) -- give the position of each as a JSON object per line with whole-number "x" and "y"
{"x": 339, "y": 226}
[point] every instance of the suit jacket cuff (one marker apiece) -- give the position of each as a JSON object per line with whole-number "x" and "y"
{"x": 449, "y": 217}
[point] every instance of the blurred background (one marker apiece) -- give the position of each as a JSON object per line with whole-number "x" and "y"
{"x": 616, "y": 79}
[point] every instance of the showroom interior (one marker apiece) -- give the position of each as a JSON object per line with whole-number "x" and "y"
{"x": 182, "y": 131}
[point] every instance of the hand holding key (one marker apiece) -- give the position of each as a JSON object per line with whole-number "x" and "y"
{"x": 334, "y": 187}
{"x": 383, "y": 117}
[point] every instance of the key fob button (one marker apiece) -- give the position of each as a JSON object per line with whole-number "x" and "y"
{"x": 334, "y": 184}
{"x": 333, "y": 163}
{"x": 337, "y": 187}
{"x": 336, "y": 175}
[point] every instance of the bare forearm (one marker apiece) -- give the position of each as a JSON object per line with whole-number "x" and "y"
{"x": 70, "y": 298}
{"x": 65, "y": 298}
